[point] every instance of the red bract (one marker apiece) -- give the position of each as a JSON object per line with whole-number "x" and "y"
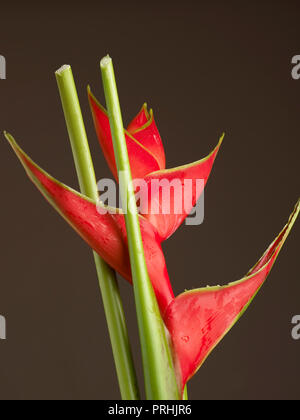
{"x": 138, "y": 121}
{"x": 184, "y": 182}
{"x": 147, "y": 161}
{"x": 144, "y": 130}
{"x": 198, "y": 319}
{"x": 141, "y": 159}
{"x": 105, "y": 232}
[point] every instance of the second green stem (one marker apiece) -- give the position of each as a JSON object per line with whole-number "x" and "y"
{"x": 107, "y": 277}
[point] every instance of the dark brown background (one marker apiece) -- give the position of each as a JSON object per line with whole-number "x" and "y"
{"x": 205, "y": 67}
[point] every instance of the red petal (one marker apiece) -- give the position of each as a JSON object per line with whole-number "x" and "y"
{"x": 105, "y": 233}
{"x": 141, "y": 119}
{"x": 149, "y": 137}
{"x": 153, "y": 202}
{"x": 142, "y": 162}
{"x": 199, "y": 319}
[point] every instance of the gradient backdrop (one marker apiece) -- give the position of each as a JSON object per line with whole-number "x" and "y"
{"x": 205, "y": 67}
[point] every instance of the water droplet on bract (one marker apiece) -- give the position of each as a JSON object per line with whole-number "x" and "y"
{"x": 186, "y": 338}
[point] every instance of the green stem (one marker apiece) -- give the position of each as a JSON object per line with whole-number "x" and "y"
{"x": 185, "y": 394}
{"x": 160, "y": 380}
{"x": 107, "y": 277}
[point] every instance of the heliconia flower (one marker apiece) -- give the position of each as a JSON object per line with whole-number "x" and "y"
{"x": 148, "y": 163}
{"x": 198, "y": 319}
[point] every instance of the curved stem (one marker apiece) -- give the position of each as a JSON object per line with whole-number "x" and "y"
{"x": 107, "y": 278}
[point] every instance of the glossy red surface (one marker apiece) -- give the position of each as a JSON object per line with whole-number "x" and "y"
{"x": 148, "y": 135}
{"x": 105, "y": 233}
{"x": 184, "y": 179}
{"x": 142, "y": 162}
{"x": 199, "y": 319}
{"x": 139, "y": 120}
{"x": 145, "y": 131}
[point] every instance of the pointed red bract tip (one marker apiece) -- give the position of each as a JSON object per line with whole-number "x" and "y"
{"x": 170, "y": 195}
{"x": 142, "y": 161}
{"x": 139, "y": 120}
{"x": 148, "y": 135}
